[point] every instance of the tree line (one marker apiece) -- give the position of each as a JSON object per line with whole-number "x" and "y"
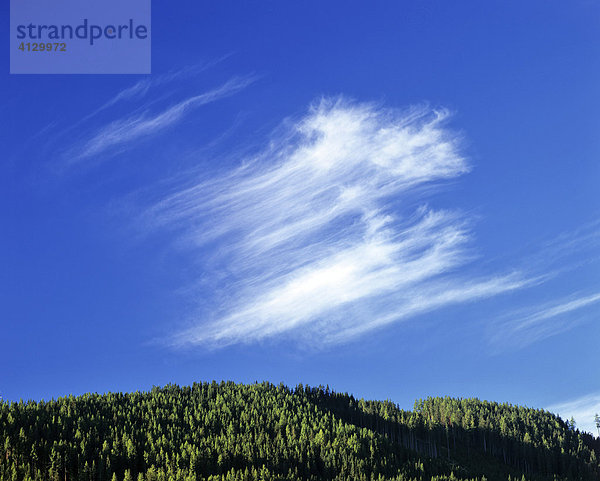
{"x": 227, "y": 431}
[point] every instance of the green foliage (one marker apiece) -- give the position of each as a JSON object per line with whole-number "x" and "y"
{"x": 229, "y": 431}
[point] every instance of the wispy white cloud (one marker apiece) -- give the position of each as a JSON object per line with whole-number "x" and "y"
{"x": 524, "y": 327}
{"x": 319, "y": 234}
{"x": 568, "y": 251}
{"x": 582, "y": 409}
{"x": 135, "y": 91}
{"x": 584, "y": 238}
{"x": 426, "y": 297}
{"x": 121, "y": 132}
{"x": 141, "y": 88}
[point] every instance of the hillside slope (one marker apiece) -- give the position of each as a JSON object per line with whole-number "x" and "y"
{"x": 261, "y": 431}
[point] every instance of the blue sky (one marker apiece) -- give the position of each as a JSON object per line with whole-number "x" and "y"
{"x": 398, "y": 200}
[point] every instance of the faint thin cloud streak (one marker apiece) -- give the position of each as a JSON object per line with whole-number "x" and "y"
{"x": 521, "y": 328}
{"x": 582, "y": 409}
{"x": 125, "y": 131}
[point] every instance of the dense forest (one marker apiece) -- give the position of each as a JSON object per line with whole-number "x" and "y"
{"x": 228, "y": 431}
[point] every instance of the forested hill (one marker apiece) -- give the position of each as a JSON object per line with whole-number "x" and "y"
{"x": 232, "y": 431}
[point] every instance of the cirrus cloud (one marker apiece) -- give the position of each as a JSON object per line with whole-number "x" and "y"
{"x": 325, "y": 231}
